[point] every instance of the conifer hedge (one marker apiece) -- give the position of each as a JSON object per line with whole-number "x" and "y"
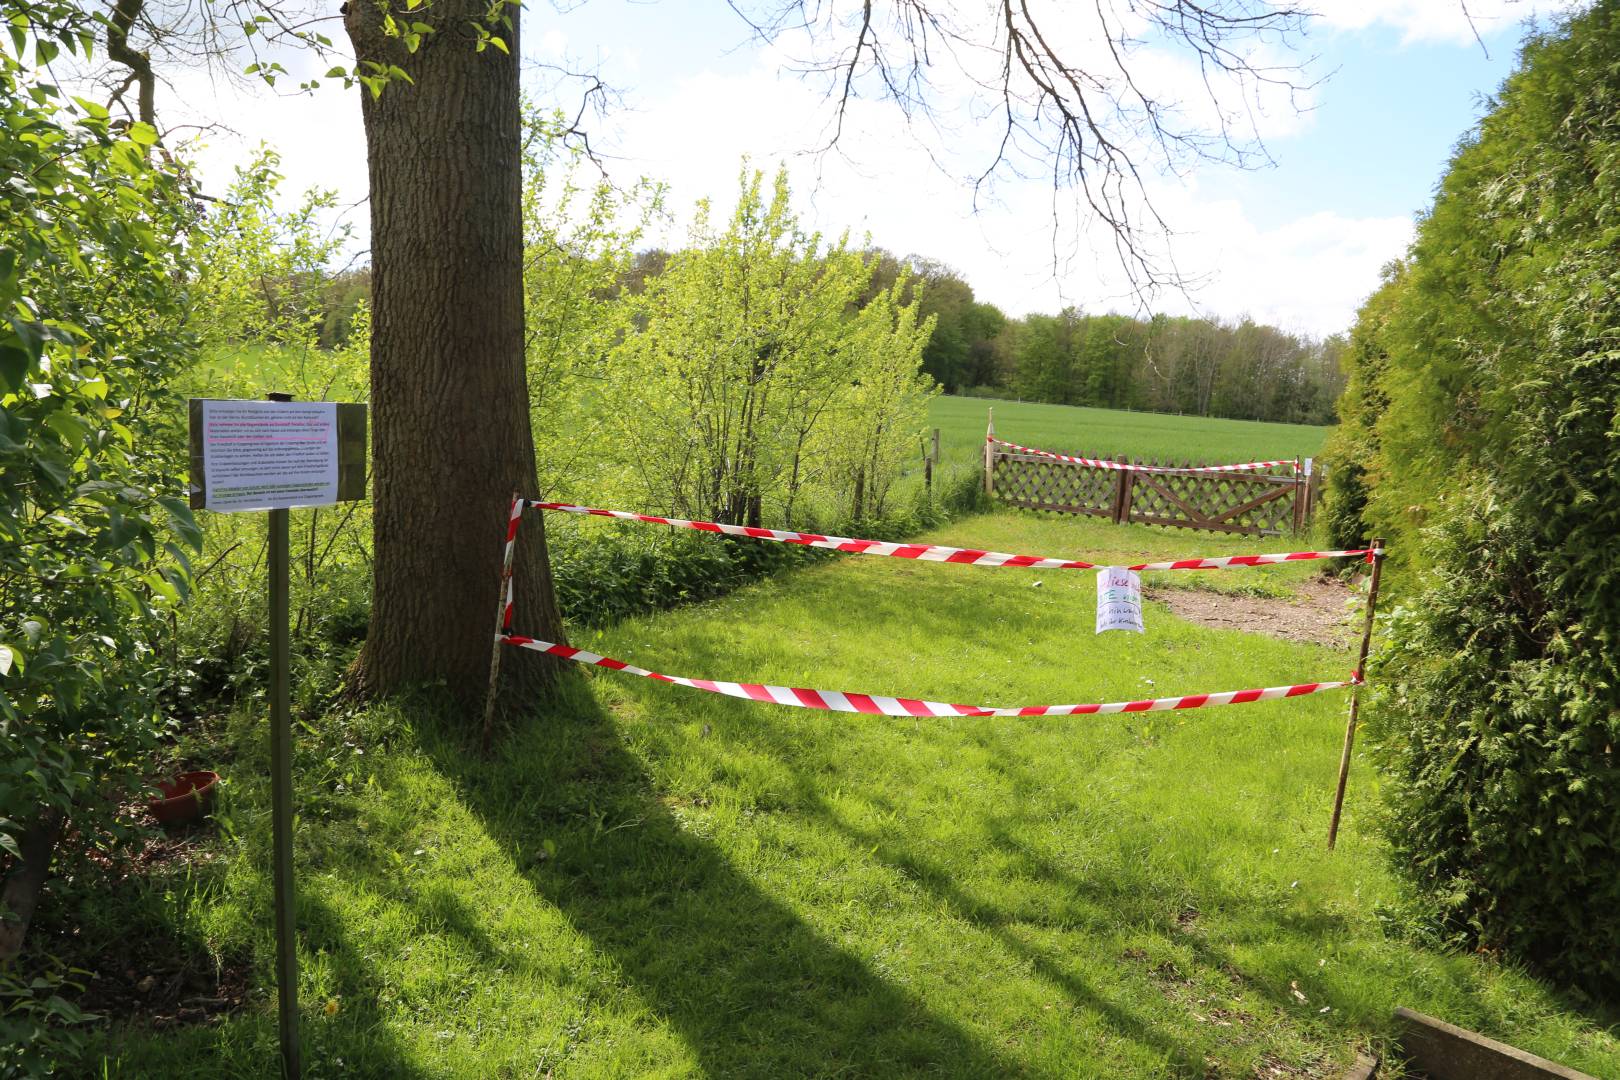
{"x": 1483, "y": 436}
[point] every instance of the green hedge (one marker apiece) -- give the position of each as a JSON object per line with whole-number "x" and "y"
{"x": 1484, "y": 418}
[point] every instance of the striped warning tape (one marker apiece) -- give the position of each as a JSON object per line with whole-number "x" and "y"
{"x": 879, "y": 705}
{"x": 514, "y": 517}
{"x": 1225, "y": 562}
{"x": 939, "y": 552}
{"x": 1121, "y": 466}
{"x": 924, "y": 552}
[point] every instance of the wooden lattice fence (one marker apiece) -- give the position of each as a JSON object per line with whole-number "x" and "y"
{"x": 1259, "y": 503}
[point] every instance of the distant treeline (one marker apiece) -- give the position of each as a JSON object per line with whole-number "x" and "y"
{"x": 1205, "y": 367}
{"x": 1239, "y": 369}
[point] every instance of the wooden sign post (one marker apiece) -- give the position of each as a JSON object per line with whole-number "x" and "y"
{"x": 274, "y": 455}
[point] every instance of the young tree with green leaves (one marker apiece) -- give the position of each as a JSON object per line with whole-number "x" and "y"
{"x": 579, "y": 244}
{"x": 94, "y": 535}
{"x": 750, "y": 371}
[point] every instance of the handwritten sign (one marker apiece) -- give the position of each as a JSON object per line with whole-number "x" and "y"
{"x": 1119, "y": 599}
{"x": 272, "y": 455}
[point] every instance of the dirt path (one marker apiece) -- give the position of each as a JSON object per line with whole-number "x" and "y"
{"x": 1319, "y": 614}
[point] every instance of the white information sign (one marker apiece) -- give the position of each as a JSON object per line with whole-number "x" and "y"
{"x": 269, "y": 455}
{"x": 1119, "y": 599}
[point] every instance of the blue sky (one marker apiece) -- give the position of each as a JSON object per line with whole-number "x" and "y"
{"x": 1298, "y": 244}
{"x": 1384, "y": 127}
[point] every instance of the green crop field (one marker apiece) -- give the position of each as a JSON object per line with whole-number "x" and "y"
{"x": 651, "y": 881}
{"x": 1107, "y": 432}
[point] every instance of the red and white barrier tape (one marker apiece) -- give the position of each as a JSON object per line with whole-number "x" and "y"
{"x": 513, "y": 519}
{"x": 1226, "y": 562}
{"x": 879, "y": 705}
{"x": 1121, "y": 466}
{"x": 923, "y": 552}
{"x": 938, "y": 552}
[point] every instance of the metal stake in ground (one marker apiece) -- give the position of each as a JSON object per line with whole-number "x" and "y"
{"x": 281, "y": 811}
{"x": 1355, "y": 691}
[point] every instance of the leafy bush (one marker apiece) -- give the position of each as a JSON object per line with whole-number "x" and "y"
{"x": 91, "y": 221}
{"x": 1494, "y": 458}
{"x": 603, "y": 575}
{"x": 606, "y": 572}
{"x": 1498, "y": 731}
{"x": 40, "y": 1030}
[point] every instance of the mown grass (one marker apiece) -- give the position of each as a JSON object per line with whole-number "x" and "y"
{"x": 1108, "y": 432}
{"x": 652, "y": 881}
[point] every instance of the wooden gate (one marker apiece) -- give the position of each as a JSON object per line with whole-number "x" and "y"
{"x": 1261, "y": 503}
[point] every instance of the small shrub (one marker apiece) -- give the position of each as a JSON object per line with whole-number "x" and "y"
{"x": 40, "y": 1029}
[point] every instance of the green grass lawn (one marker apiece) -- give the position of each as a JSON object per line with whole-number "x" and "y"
{"x": 1107, "y": 432}
{"x": 651, "y": 881}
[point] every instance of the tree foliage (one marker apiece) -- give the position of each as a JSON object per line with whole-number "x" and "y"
{"x": 749, "y": 379}
{"x": 1241, "y": 369}
{"x": 1485, "y": 408}
{"x": 1203, "y": 367}
{"x": 93, "y": 543}
{"x": 578, "y": 252}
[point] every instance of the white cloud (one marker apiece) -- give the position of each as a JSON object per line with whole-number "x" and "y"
{"x": 1445, "y": 21}
{"x": 886, "y": 178}
{"x": 319, "y": 135}
{"x": 1308, "y": 274}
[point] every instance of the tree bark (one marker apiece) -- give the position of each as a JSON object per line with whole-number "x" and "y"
{"x": 449, "y": 398}
{"x": 20, "y": 894}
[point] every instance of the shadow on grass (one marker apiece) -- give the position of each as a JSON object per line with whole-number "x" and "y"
{"x": 244, "y": 1041}
{"x": 1104, "y": 904}
{"x": 748, "y": 986}
{"x": 356, "y": 1040}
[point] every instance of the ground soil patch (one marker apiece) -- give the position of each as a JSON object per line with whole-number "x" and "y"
{"x": 146, "y": 974}
{"x": 1320, "y": 611}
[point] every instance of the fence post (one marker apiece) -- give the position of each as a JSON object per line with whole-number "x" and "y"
{"x": 936, "y": 446}
{"x": 281, "y": 793}
{"x": 1122, "y": 497}
{"x": 990, "y": 453}
{"x": 1312, "y": 480}
{"x": 1300, "y": 485}
{"x": 1355, "y": 691}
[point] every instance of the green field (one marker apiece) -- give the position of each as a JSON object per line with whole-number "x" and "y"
{"x": 652, "y": 881}
{"x": 1107, "y": 432}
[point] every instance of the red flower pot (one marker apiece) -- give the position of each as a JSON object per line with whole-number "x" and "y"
{"x": 187, "y": 797}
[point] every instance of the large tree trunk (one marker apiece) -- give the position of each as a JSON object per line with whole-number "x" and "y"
{"x": 449, "y": 397}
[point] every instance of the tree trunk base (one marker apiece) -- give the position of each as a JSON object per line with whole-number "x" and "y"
{"x": 20, "y": 896}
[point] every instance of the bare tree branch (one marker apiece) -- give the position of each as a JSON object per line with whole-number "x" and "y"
{"x": 1064, "y": 102}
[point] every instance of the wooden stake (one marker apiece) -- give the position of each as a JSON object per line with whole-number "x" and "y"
{"x": 990, "y": 452}
{"x": 1355, "y": 691}
{"x": 1299, "y": 498}
{"x": 500, "y": 631}
{"x": 1310, "y": 490}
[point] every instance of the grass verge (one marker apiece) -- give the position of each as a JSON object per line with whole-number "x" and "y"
{"x": 1076, "y": 429}
{"x": 653, "y": 881}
